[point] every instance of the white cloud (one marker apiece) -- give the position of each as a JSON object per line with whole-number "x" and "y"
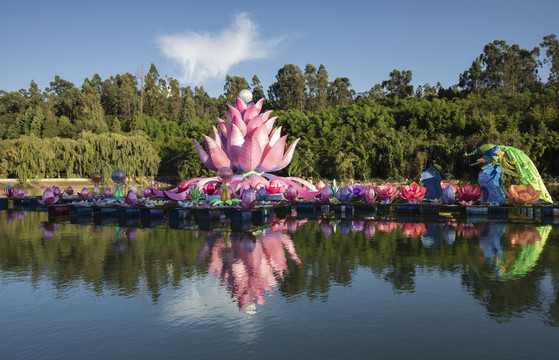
{"x": 203, "y": 56}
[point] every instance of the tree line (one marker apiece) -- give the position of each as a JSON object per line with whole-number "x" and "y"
{"x": 392, "y": 131}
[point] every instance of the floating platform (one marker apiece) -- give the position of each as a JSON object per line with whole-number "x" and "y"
{"x": 236, "y": 218}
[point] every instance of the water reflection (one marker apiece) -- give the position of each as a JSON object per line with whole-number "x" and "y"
{"x": 249, "y": 265}
{"x": 503, "y": 265}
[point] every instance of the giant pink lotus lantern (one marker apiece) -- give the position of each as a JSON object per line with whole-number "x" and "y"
{"x": 248, "y": 144}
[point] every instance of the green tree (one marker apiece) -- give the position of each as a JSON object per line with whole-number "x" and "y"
{"x": 233, "y": 86}
{"x": 257, "y": 89}
{"x": 288, "y": 92}
{"x": 399, "y": 84}
{"x": 551, "y": 44}
{"x": 339, "y": 92}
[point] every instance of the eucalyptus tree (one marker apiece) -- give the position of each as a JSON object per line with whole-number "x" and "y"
{"x": 339, "y": 92}
{"x": 399, "y": 84}
{"x": 311, "y": 85}
{"x": 551, "y": 44}
{"x": 288, "y": 91}
{"x": 156, "y": 93}
{"x": 233, "y": 86}
{"x": 257, "y": 89}
{"x": 502, "y": 68}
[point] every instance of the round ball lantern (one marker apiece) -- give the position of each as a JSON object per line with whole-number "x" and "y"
{"x": 96, "y": 178}
{"x": 119, "y": 177}
{"x": 246, "y": 96}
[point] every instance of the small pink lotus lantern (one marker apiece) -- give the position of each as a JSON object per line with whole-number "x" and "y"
{"x": 320, "y": 185}
{"x": 84, "y": 194}
{"x": 48, "y": 197}
{"x": 413, "y": 193}
{"x": 326, "y": 194}
{"x": 131, "y": 198}
{"x": 108, "y": 193}
{"x": 69, "y": 190}
{"x": 274, "y": 187}
{"x": 148, "y": 192}
{"x": 387, "y": 192}
{"x": 20, "y": 194}
{"x": 56, "y": 191}
{"x": 467, "y": 194}
{"x": 369, "y": 194}
{"x": 248, "y": 199}
{"x": 291, "y": 193}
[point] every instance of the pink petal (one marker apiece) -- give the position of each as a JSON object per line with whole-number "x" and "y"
{"x": 218, "y": 156}
{"x": 234, "y": 113}
{"x": 258, "y": 105}
{"x": 287, "y": 157}
{"x": 254, "y": 124}
{"x": 234, "y": 143}
{"x": 250, "y": 155}
{"x": 176, "y": 196}
{"x": 217, "y": 138}
{"x": 276, "y": 135}
{"x": 240, "y": 105}
{"x": 223, "y": 127}
{"x": 253, "y": 110}
{"x": 238, "y": 122}
{"x": 204, "y": 156}
{"x": 273, "y": 156}
{"x": 261, "y": 137}
{"x": 270, "y": 123}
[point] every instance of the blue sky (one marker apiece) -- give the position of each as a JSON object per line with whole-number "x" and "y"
{"x": 198, "y": 42}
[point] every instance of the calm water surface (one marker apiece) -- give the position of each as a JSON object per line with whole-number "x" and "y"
{"x": 295, "y": 288}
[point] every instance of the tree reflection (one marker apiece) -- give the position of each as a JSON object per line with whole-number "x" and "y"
{"x": 505, "y": 266}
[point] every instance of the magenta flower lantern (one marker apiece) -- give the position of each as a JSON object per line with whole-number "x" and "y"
{"x": 326, "y": 194}
{"x": 248, "y": 199}
{"x": 84, "y": 194}
{"x": 387, "y": 192}
{"x": 291, "y": 193}
{"x": 369, "y": 194}
{"x": 20, "y": 194}
{"x": 48, "y": 197}
{"x": 69, "y": 190}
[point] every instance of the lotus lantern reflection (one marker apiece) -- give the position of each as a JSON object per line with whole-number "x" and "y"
{"x": 387, "y": 192}
{"x": 467, "y": 194}
{"x": 48, "y": 198}
{"x": 523, "y": 194}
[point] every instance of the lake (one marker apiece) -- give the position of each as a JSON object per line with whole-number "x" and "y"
{"x": 325, "y": 288}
